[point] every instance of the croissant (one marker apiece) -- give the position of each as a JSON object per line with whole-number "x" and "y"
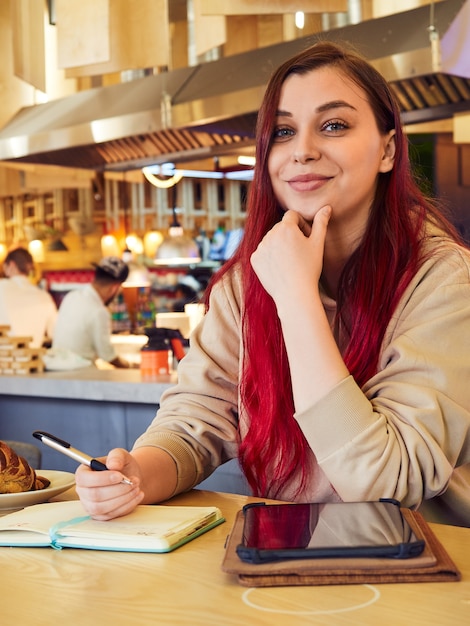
{"x": 16, "y": 475}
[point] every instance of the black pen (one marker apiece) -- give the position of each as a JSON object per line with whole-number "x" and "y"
{"x": 63, "y": 446}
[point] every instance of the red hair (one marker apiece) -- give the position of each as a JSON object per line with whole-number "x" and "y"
{"x": 372, "y": 282}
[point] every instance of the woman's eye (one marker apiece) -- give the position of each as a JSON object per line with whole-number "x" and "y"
{"x": 282, "y": 132}
{"x": 334, "y": 126}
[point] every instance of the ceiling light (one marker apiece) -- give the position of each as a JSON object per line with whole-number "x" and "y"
{"x": 245, "y": 159}
{"x": 177, "y": 248}
{"x": 4, "y": 252}
{"x": 110, "y": 246}
{"x": 36, "y": 250}
{"x": 138, "y": 276}
{"x": 240, "y": 175}
{"x": 135, "y": 244}
{"x": 154, "y": 174}
{"x": 299, "y": 19}
{"x": 152, "y": 239}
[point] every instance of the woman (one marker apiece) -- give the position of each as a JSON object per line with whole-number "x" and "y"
{"x": 332, "y": 359}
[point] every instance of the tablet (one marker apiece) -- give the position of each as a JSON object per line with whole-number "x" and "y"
{"x": 274, "y": 532}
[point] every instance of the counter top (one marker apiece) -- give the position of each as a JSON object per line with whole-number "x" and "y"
{"x": 89, "y": 383}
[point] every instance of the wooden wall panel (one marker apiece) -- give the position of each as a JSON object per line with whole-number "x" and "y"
{"x": 452, "y": 165}
{"x": 210, "y": 31}
{"x": 465, "y": 165}
{"x": 83, "y": 32}
{"x": 270, "y": 7}
{"x": 242, "y": 34}
{"x": 15, "y": 92}
{"x": 28, "y": 41}
{"x": 178, "y": 45}
{"x": 386, "y": 7}
{"x": 270, "y": 30}
{"x": 138, "y": 33}
{"x": 10, "y": 182}
{"x": 461, "y": 127}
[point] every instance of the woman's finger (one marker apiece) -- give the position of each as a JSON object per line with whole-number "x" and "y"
{"x": 295, "y": 218}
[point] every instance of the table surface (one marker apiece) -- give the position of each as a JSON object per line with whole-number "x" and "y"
{"x": 43, "y": 586}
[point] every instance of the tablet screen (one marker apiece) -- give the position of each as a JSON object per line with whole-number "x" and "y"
{"x": 330, "y": 527}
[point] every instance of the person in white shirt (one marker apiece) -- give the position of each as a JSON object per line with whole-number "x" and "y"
{"x": 28, "y": 310}
{"x": 84, "y": 322}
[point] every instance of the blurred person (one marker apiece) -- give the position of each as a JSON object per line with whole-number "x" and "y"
{"x": 28, "y": 310}
{"x": 83, "y": 324}
{"x": 187, "y": 291}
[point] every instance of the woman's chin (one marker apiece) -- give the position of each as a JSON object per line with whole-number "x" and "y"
{"x": 308, "y": 214}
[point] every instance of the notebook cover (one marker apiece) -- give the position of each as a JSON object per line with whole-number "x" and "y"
{"x": 433, "y": 565}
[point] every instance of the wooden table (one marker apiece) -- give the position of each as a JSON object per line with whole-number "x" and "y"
{"x": 43, "y": 587}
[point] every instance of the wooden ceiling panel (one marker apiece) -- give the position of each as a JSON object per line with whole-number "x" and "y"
{"x": 270, "y": 7}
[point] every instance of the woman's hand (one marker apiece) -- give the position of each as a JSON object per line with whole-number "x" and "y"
{"x": 103, "y": 494}
{"x": 290, "y": 256}
{"x": 289, "y": 263}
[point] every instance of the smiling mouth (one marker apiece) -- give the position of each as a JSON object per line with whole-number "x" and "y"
{"x": 307, "y": 183}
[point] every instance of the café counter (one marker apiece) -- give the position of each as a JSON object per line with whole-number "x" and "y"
{"x": 93, "y": 409}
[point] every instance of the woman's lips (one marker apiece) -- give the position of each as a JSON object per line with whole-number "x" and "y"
{"x": 307, "y": 182}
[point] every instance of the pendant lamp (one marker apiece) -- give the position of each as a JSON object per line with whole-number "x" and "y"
{"x": 177, "y": 248}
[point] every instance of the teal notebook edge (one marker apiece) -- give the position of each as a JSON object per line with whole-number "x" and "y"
{"x": 171, "y": 548}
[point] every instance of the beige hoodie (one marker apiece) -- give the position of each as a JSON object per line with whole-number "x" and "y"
{"x": 402, "y": 436}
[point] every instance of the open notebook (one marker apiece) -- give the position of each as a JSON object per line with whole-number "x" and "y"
{"x": 148, "y": 528}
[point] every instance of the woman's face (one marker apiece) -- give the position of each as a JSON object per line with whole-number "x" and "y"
{"x": 327, "y": 148}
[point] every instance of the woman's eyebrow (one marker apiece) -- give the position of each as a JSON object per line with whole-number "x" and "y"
{"x": 328, "y": 106}
{"x": 281, "y": 113}
{"x": 334, "y": 104}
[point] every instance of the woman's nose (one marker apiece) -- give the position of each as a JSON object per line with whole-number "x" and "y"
{"x": 305, "y": 149}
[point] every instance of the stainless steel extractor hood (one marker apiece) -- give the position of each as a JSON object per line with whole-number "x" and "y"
{"x": 210, "y": 110}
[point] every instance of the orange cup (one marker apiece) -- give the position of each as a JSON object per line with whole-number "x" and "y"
{"x": 154, "y": 363}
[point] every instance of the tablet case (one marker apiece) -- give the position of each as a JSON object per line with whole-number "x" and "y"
{"x": 433, "y": 565}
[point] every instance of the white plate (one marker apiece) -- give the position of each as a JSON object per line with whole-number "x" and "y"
{"x": 60, "y": 481}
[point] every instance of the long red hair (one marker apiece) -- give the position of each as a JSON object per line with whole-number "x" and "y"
{"x": 371, "y": 285}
